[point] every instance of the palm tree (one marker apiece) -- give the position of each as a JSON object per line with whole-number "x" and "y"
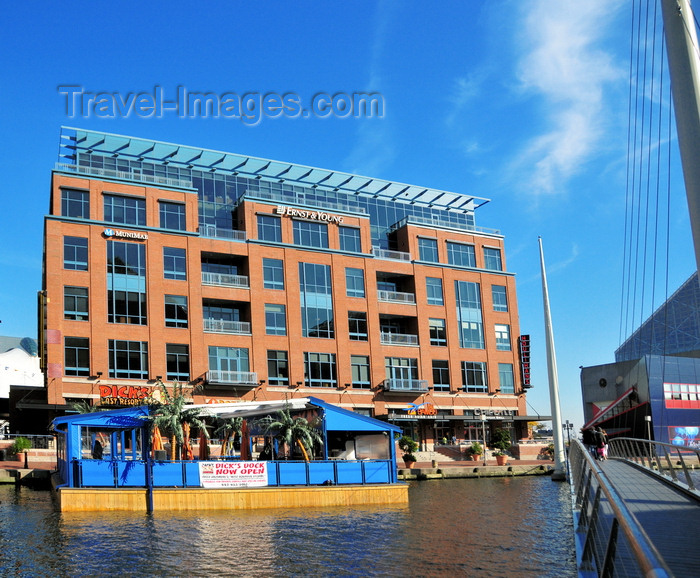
{"x": 291, "y": 430}
{"x": 169, "y": 415}
{"x": 228, "y": 430}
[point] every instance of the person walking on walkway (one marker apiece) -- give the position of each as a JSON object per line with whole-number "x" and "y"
{"x": 601, "y": 443}
{"x": 589, "y": 440}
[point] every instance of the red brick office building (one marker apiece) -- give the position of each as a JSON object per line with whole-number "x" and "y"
{"x": 259, "y": 280}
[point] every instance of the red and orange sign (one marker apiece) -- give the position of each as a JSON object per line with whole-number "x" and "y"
{"x": 124, "y": 394}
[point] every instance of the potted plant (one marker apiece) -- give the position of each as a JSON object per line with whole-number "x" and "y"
{"x": 475, "y": 451}
{"x": 408, "y": 445}
{"x": 501, "y": 443}
{"x": 501, "y": 457}
{"x": 20, "y": 446}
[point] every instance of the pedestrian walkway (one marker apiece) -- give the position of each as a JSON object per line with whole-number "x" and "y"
{"x": 669, "y": 516}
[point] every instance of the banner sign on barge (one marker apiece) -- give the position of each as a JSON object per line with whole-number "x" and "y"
{"x": 232, "y": 474}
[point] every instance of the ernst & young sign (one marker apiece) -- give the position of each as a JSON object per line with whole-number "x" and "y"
{"x": 311, "y": 215}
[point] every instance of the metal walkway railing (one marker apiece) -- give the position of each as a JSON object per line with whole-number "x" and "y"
{"x": 658, "y": 458}
{"x": 610, "y": 541}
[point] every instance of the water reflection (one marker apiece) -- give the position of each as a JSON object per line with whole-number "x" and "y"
{"x": 495, "y": 527}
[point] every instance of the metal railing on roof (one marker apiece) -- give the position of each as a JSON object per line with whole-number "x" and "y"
{"x": 436, "y": 221}
{"x": 132, "y": 175}
{"x": 599, "y": 515}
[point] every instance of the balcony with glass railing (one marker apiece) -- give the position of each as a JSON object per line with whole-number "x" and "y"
{"x": 240, "y": 378}
{"x": 225, "y": 280}
{"x": 390, "y": 255}
{"x": 215, "y": 232}
{"x": 226, "y": 326}
{"x": 398, "y": 339}
{"x": 443, "y": 223}
{"x": 405, "y": 385}
{"x": 396, "y": 297}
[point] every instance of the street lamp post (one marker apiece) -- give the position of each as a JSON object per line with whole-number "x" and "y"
{"x": 483, "y": 433}
{"x": 647, "y": 418}
{"x": 568, "y": 426}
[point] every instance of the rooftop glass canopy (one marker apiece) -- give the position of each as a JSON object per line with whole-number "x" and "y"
{"x": 74, "y": 141}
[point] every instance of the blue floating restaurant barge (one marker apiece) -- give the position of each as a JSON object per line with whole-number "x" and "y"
{"x": 107, "y": 460}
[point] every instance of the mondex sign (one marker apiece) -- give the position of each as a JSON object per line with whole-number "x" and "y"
{"x": 124, "y": 234}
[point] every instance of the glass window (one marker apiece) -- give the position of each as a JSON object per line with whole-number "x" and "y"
{"x": 174, "y": 263}
{"x": 503, "y": 337}
{"x": 315, "y": 293}
{"x": 461, "y": 255}
{"x": 441, "y": 375}
{"x": 75, "y": 253}
{"x": 319, "y": 369}
{"x": 269, "y": 228}
{"x": 277, "y": 368}
{"x": 349, "y": 239}
{"x": 401, "y": 369}
{"x": 354, "y": 282}
{"x": 273, "y": 274}
{"x": 77, "y": 356}
{"x": 177, "y": 360}
{"x": 126, "y": 307}
{"x": 505, "y": 377}
{"x": 433, "y": 287}
{"x": 172, "y": 216}
{"x": 474, "y": 378}
{"x": 75, "y": 303}
{"x": 125, "y": 210}
{"x": 492, "y": 259}
{"x": 75, "y": 203}
{"x": 360, "y": 371}
{"x": 176, "y": 311}
{"x": 310, "y": 234}
{"x": 357, "y": 325}
{"x": 127, "y": 260}
{"x": 275, "y": 319}
{"x": 228, "y": 359}
{"x": 438, "y": 334}
{"x": 128, "y": 359}
{"x": 499, "y": 297}
{"x": 471, "y": 327}
{"x": 126, "y": 283}
{"x": 428, "y": 249}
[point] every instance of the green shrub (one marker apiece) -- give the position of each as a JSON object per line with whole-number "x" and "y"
{"x": 501, "y": 440}
{"x": 407, "y": 445}
{"x": 21, "y": 445}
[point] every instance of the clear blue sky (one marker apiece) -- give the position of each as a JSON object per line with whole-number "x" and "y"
{"x": 522, "y": 102}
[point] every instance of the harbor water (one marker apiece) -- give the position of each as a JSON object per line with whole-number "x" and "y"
{"x": 461, "y": 527}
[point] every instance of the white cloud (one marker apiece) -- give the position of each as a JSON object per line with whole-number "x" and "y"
{"x": 562, "y": 63}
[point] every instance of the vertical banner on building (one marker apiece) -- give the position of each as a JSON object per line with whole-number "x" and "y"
{"x": 232, "y": 474}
